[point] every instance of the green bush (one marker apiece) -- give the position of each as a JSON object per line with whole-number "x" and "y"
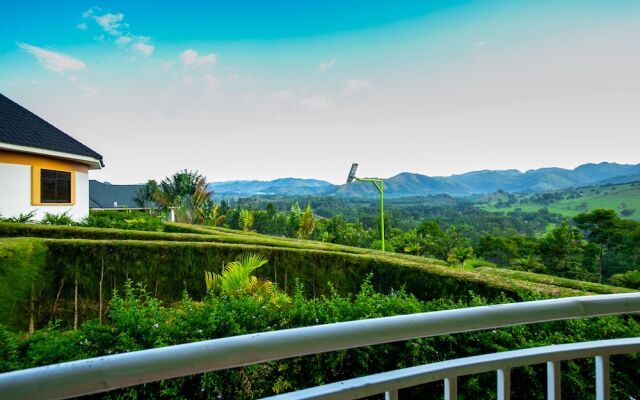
{"x": 137, "y": 320}
{"x": 57, "y": 219}
{"x": 137, "y": 220}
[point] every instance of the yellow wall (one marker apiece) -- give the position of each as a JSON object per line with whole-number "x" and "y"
{"x": 39, "y": 162}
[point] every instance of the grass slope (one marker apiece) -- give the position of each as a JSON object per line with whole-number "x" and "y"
{"x": 623, "y": 198}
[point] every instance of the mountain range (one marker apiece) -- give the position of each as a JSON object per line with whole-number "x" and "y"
{"x": 467, "y": 184}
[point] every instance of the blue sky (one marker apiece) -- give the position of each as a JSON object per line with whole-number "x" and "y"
{"x": 259, "y": 90}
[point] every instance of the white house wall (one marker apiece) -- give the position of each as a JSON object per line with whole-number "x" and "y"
{"x": 15, "y": 194}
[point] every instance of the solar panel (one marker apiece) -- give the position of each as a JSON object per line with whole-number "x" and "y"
{"x": 352, "y": 173}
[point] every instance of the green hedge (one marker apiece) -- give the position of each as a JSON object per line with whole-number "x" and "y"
{"x": 171, "y": 268}
{"x": 170, "y": 263}
{"x": 21, "y": 276}
{"x": 555, "y": 281}
{"x": 77, "y": 232}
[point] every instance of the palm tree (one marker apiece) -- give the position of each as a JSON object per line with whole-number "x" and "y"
{"x": 530, "y": 264}
{"x": 213, "y": 216}
{"x": 306, "y": 223}
{"x": 246, "y": 219}
{"x": 236, "y": 278}
{"x": 460, "y": 255}
{"x": 187, "y": 191}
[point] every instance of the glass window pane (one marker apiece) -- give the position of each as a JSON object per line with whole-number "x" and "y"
{"x": 48, "y": 191}
{"x": 63, "y": 192}
{"x": 55, "y": 186}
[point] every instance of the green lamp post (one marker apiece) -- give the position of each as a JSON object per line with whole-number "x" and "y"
{"x": 379, "y": 184}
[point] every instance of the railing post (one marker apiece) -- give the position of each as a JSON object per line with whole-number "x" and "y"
{"x": 504, "y": 384}
{"x": 602, "y": 378}
{"x": 553, "y": 380}
{"x": 391, "y": 395}
{"x": 451, "y": 388}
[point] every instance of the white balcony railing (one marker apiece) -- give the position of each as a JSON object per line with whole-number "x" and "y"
{"x": 106, "y": 373}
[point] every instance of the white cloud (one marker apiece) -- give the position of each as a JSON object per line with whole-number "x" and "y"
{"x": 110, "y": 22}
{"x": 113, "y": 24}
{"x": 191, "y": 57}
{"x": 280, "y": 95}
{"x": 315, "y": 102}
{"x": 53, "y": 60}
{"x": 327, "y": 64}
{"x": 124, "y": 40}
{"x": 143, "y": 47}
{"x": 480, "y": 44}
{"x": 355, "y": 85}
{"x": 82, "y": 26}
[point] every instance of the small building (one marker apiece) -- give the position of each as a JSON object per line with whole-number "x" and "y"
{"x": 42, "y": 169}
{"x": 105, "y": 196}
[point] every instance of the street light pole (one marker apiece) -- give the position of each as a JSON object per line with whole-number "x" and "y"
{"x": 379, "y": 184}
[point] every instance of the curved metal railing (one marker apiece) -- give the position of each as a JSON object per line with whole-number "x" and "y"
{"x": 106, "y": 373}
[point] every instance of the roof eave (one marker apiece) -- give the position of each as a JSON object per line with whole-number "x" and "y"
{"x": 91, "y": 162}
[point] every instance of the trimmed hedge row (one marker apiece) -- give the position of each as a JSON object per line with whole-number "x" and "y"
{"x": 78, "y": 232}
{"x": 169, "y": 269}
{"x": 555, "y": 281}
{"x": 171, "y": 263}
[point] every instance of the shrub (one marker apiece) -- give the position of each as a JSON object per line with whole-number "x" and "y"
{"x": 57, "y": 219}
{"x": 137, "y": 321}
{"x": 136, "y": 220}
{"x": 21, "y": 218}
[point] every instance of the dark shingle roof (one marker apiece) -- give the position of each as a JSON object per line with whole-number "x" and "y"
{"x": 103, "y": 195}
{"x": 21, "y": 127}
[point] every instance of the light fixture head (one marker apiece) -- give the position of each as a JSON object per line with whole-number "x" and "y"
{"x": 352, "y": 173}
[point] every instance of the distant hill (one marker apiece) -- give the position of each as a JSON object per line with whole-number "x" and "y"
{"x": 623, "y": 198}
{"x": 488, "y": 181}
{"x": 408, "y": 184}
{"x": 285, "y": 186}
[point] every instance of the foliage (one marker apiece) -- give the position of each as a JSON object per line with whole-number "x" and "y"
{"x": 57, "y": 219}
{"x": 134, "y": 220}
{"x": 459, "y": 255}
{"x": 21, "y": 218}
{"x": 21, "y": 274}
{"x": 172, "y": 262}
{"x": 236, "y": 278}
{"x": 306, "y": 223}
{"x": 630, "y": 279}
{"x": 246, "y": 220}
{"x": 145, "y": 196}
{"x": 138, "y": 321}
{"x": 187, "y": 192}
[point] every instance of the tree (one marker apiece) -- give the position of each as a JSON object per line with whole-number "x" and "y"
{"x": 144, "y": 196}
{"x": 630, "y": 279}
{"x": 600, "y": 227}
{"x": 561, "y": 250}
{"x": 529, "y": 264}
{"x": 186, "y": 191}
{"x": 213, "y": 216}
{"x": 459, "y": 255}
{"x": 293, "y": 220}
{"x": 246, "y": 219}
{"x": 306, "y": 223}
